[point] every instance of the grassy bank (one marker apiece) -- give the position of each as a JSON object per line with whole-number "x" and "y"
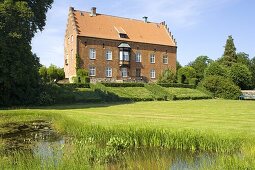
{"x": 217, "y": 126}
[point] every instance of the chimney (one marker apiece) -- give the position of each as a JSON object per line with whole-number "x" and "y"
{"x": 145, "y": 19}
{"x": 93, "y": 12}
{"x": 71, "y": 9}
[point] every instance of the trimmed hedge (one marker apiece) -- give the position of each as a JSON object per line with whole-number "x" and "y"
{"x": 159, "y": 92}
{"x": 74, "y": 85}
{"x": 123, "y": 84}
{"x": 178, "y": 85}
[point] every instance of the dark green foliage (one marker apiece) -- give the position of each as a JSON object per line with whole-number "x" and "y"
{"x": 252, "y": 69}
{"x": 215, "y": 69}
{"x": 82, "y": 76}
{"x": 229, "y": 57}
{"x": 19, "y": 21}
{"x": 51, "y": 73}
{"x": 74, "y": 85}
{"x": 240, "y": 75}
{"x": 123, "y": 84}
{"x": 104, "y": 93}
{"x": 177, "y": 85}
{"x": 168, "y": 76}
{"x": 221, "y": 87}
{"x": 65, "y": 94}
{"x": 185, "y": 74}
{"x": 200, "y": 64}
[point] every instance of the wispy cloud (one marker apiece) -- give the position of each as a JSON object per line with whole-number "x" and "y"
{"x": 181, "y": 13}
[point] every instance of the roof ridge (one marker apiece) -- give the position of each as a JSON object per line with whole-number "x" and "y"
{"x": 149, "y": 22}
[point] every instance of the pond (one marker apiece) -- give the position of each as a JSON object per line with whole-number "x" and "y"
{"x": 38, "y": 139}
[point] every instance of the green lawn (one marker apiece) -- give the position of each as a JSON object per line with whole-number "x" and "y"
{"x": 226, "y": 116}
{"x": 203, "y": 125}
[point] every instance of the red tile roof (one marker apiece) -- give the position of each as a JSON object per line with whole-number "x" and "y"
{"x": 109, "y": 27}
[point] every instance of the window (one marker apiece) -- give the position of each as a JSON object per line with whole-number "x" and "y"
{"x": 108, "y": 55}
{"x": 68, "y": 41}
{"x": 92, "y": 54}
{"x": 153, "y": 74}
{"x": 124, "y": 55}
{"x": 138, "y": 72}
{"x": 152, "y": 58}
{"x": 138, "y": 57}
{"x": 72, "y": 38}
{"x": 165, "y": 59}
{"x": 71, "y": 54}
{"x": 124, "y": 72}
{"x": 108, "y": 72}
{"x": 66, "y": 60}
{"x": 92, "y": 71}
{"x": 122, "y": 35}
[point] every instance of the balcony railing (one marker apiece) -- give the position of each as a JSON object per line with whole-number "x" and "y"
{"x": 124, "y": 63}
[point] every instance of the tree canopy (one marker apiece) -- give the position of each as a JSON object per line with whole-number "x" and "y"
{"x": 19, "y": 21}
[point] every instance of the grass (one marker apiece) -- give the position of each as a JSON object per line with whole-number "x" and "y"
{"x": 132, "y": 92}
{"x": 220, "y": 126}
{"x": 186, "y": 93}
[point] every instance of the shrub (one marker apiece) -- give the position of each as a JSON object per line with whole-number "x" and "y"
{"x": 221, "y": 87}
{"x": 177, "y": 85}
{"x": 82, "y": 77}
{"x": 241, "y": 75}
{"x": 123, "y": 84}
{"x": 215, "y": 69}
{"x": 168, "y": 76}
{"x": 185, "y": 74}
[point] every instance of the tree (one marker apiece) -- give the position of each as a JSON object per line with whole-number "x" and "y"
{"x": 241, "y": 75}
{"x": 215, "y": 69}
{"x": 51, "y": 73}
{"x": 221, "y": 87}
{"x": 19, "y": 21}
{"x": 200, "y": 64}
{"x": 187, "y": 75}
{"x": 168, "y": 76}
{"x": 229, "y": 57}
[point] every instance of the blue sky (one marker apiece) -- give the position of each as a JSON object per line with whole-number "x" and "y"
{"x": 200, "y": 27}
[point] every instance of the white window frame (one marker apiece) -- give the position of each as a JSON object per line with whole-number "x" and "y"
{"x": 92, "y": 71}
{"x": 124, "y": 57}
{"x": 108, "y": 72}
{"x": 138, "y": 57}
{"x": 124, "y": 72}
{"x": 165, "y": 58}
{"x": 92, "y": 53}
{"x": 153, "y": 73}
{"x": 152, "y": 58}
{"x": 108, "y": 55}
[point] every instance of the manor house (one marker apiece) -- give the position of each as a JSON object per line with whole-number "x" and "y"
{"x": 117, "y": 49}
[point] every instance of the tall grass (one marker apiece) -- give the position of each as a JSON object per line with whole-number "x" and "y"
{"x": 135, "y": 137}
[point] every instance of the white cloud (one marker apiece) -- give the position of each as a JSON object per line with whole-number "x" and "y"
{"x": 48, "y": 45}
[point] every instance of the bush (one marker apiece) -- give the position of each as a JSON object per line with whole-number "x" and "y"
{"x": 74, "y": 85}
{"x": 221, "y": 87}
{"x": 241, "y": 75}
{"x": 177, "y": 85}
{"x": 168, "y": 76}
{"x": 123, "y": 84}
{"x": 185, "y": 74}
{"x": 82, "y": 77}
{"x": 215, "y": 69}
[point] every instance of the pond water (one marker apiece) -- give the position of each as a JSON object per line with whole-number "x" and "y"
{"x": 40, "y": 140}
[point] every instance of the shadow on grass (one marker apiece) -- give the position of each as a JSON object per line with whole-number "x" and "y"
{"x": 72, "y": 106}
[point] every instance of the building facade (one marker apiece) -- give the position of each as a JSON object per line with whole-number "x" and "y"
{"x": 115, "y": 49}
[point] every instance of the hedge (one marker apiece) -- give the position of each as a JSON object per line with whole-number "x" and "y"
{"x": 123, "y": 84}
{"x": 75, "y": 85}
{"x": 178, "y": 85}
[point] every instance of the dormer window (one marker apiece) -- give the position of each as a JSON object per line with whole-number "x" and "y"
{"x": 122, "y": 33}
